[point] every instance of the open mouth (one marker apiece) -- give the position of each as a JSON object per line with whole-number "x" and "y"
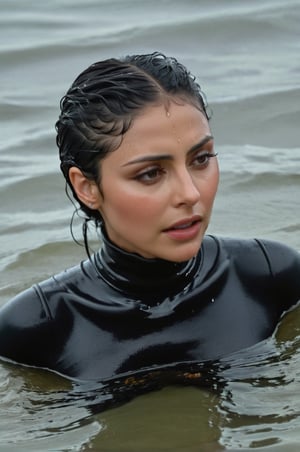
{"x": 184, "y": 226}
{"x": 184, "y": 231}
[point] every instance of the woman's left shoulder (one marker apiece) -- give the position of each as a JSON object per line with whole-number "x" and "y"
{"x": 281, "y": 257}
{"x": 259, "y": 256}
{"x": 273, "y": 251}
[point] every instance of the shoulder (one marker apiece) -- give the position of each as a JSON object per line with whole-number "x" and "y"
{"x": 277, "y": 256}
{"x": 32, "y": 305}
{"x": 244, "y": 253}
{"x": 281, "y": 257}
{"x": 23, "y": 323}
{"x": 29, "y": 321}
{"x": 24, "y": 309}
{"x": 284, "y": 263}
{"x": 261, "y": 260}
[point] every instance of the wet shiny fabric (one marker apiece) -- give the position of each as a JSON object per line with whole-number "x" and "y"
{"x": 119, "y": 313}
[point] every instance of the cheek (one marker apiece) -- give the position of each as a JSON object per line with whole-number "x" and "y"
{"x": 214, "y": 186}
{"x": 209, "y": 186}
{"x": 215, "y": 179}
{"x": 137, "y": 209}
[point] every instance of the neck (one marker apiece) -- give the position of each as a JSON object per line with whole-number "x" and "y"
{"x": 137, "y": 276}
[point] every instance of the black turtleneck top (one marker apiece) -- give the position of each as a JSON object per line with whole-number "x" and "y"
{"x": 119, "y": 313}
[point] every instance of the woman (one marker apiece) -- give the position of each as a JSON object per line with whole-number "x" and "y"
{"x": 137, "y": 152}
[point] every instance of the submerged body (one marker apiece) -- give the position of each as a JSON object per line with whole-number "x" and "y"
{"x": 120, "y": 313}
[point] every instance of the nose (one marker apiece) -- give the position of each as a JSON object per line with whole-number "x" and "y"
{"x": 186, "y": 191}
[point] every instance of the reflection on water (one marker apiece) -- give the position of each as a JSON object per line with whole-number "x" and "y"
{"x": 259, "y": 404}
{"x": 37, "y": 415}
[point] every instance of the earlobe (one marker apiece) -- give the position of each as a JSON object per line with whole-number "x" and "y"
{"x": 87, "y": 190}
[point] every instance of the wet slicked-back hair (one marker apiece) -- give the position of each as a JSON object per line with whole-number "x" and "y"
{"x": 101, "y": 104}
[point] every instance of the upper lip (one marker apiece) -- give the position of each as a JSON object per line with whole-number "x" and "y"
{"x": 185, "y": 221}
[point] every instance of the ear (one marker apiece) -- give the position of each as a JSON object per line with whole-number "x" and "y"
{"x": 87, "y": 190}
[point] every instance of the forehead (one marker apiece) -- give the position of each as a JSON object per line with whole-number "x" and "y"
{"x": 158, "y": 124}
{"x": 171, "y": 129}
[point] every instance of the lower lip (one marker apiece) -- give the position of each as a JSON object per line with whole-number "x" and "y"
{"x": 185, "y": 234}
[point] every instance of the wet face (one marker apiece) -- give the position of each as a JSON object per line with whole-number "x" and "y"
{"x": 158, "y": 187}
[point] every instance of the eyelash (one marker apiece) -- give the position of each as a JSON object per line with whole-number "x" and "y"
{"x": 206, "y": 156}
{"x": 146, "y": 176}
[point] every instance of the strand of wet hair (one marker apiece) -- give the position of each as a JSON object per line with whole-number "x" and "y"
{"x": 86, "y": 220}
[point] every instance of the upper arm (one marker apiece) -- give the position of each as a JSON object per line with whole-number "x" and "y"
{"x": 284, "y": 264}
{"x": 23, "y": 323}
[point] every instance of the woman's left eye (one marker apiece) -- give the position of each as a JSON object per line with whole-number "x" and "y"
{"x": 201, "y": 159}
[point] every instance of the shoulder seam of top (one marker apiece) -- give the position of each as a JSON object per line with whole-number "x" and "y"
{"x": 43, "y": 300}
{"x": 265, "y": 253}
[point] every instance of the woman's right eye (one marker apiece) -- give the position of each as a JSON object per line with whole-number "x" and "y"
{"x": 150, "y": 176}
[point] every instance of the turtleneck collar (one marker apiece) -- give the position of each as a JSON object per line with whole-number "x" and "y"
{"x": 135, "y": 275}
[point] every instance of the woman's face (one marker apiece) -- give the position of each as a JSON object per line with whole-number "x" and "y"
{"x": 158, "y": 187}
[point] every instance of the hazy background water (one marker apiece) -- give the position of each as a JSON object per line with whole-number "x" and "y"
{"x": 246, "y": 55}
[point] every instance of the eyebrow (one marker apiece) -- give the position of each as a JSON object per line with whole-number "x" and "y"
{"x": 155, "y": 158}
